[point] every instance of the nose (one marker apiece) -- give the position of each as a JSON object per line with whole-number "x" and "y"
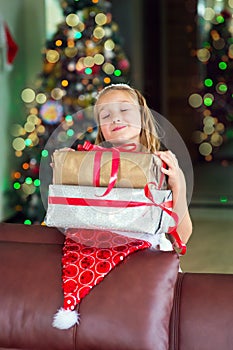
{"x": 116, "y": 118}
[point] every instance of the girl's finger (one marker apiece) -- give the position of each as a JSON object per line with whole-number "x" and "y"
{"x": 165, "y": 171}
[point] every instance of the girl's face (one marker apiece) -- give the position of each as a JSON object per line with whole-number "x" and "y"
{"x": 119, "y": 117}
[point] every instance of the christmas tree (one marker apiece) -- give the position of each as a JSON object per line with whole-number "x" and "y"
{"x": 83, "y": 56}
{"x": 214, "y": 100}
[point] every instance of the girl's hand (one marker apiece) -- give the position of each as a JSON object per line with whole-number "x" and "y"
{"x": 64, "y": 149}
{"x": 176, "y": 180}
{"x": 61, "y": 149}
{"x": 177, "y": 184}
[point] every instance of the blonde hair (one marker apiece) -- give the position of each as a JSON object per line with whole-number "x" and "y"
{"x": 148, "y": 135}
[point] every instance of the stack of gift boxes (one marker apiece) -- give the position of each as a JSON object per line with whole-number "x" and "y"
{"x": 109, "y": 189}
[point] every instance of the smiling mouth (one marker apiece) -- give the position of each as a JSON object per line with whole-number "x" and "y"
{"x": 119, "y": 128}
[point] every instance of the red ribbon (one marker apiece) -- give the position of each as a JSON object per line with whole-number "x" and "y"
{"x": 79, "y": 201}
{"x": 88, "y": 146}
{"x": 173, "y": 229}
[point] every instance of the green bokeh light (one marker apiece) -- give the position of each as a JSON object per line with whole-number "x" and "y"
{"x": 117, "y": 72}
{"x": 44, "y": 153}
{"x": 222, "y": 88}
{"x": 223, "y": 199}
{"x": 70, "y": 132}
{"x": 88, "y": 71}
{"x": 206, "y": 45}
{"x": 77, "y": 35}
{"x": 28, "y": 180}
{"x": 28, "y": 142}
{"x": 16, "y": 185}
{"x": 37, "y": 182}
{"x": 208, "y": 82}
{"x": 220, "y": 19}
{"x": 208, "y": 101}
{"x": 222, "y": 65}
{"x": 69, "y": 118}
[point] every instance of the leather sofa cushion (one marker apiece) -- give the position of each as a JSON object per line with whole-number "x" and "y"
{"x": 202, "y": 316}
{"x": 129, "y": 309}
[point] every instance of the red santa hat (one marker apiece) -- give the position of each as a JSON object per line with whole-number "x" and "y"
{"x": 85, "y": 266}
{"x": 8, "y": 47}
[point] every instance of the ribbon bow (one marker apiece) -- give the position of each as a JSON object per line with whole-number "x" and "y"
{"x": 168, "y": 208}
{"x": 88, "y": 146}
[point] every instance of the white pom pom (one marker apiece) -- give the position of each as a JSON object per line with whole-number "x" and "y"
{"x": 64, "y": 319}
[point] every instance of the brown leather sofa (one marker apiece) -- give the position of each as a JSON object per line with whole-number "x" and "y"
{"x": 143, "y": 304}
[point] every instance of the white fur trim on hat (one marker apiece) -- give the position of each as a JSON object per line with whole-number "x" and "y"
{"x": 65, "y": 319}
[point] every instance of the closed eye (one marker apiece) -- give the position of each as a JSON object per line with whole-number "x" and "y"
{"x": 106, "y": 116}
{"x": 125, "y": 107}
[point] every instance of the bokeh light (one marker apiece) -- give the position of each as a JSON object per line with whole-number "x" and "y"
{"x": 28, "y": 95}
{"x": 195, "y": 100}
{"x": 101, "y": 19}
{"x": 52, "y": 56}
{"x": 72, "y": 20}
{"x": 203, "y": 55}
{"x": 205, "y": 149}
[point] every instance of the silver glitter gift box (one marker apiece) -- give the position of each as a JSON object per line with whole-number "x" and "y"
{"x": 122, "y": 210}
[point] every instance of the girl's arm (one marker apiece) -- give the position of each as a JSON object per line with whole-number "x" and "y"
{"x": 177, "y": 183}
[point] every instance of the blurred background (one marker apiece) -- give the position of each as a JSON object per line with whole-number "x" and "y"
{"x": 55, "y": 55}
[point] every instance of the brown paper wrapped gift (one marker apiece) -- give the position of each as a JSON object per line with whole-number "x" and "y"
{"x": 76, "y": 168}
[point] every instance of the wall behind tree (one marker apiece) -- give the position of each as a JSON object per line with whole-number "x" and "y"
{"x": 170, "y": 71}
{"x": 25, "y": 20}
{"x": 129, "y": 16}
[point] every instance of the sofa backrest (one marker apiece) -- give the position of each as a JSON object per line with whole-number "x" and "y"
{"x": 131, "y": 308}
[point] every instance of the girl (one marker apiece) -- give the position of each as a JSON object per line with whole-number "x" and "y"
{"x": 123, "y": 116}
